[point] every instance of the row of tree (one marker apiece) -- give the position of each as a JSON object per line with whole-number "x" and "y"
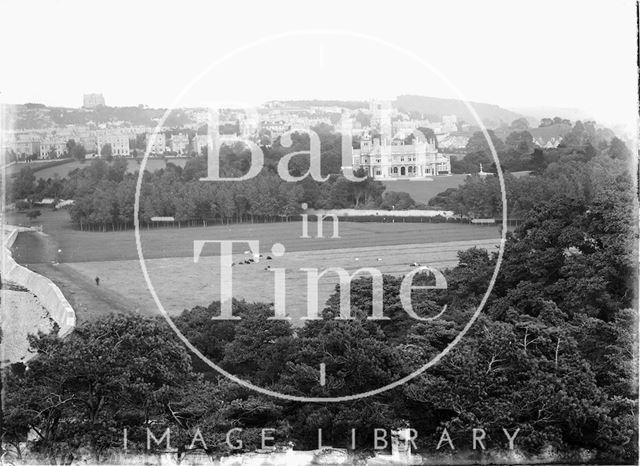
{"x": 104, "y": 197}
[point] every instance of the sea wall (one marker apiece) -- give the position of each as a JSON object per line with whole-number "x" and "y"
{"x": 46, "y": 291}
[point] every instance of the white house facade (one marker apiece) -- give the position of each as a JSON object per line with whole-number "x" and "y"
{"x": 396, "y": 160}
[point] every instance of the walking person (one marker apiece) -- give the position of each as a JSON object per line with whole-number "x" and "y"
{"x": 97, "y": 281}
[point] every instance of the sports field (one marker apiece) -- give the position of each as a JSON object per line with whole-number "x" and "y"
{"x": 180, "y": 283}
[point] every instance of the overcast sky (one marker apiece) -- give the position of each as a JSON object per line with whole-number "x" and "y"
{"x": 579, "y": 54}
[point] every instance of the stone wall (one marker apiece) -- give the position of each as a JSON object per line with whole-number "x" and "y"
{"x": 47, "y": 292}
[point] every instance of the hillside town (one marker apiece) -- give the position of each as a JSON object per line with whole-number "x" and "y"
{"x": 382, "y": 135}
{"x": 263, "y": 124}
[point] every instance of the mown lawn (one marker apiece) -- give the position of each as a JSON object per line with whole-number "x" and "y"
{"x": 181, "y": 283}
{"x": 78, "y": 246}
{"x": 423, "y": 190}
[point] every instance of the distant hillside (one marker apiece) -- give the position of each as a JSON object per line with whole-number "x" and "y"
{"x": 540, "y": 112}
{"x": 546, "y": 132}
{"x": 434, "y": 107}
{"x": 37, "y": 116}
{"x": 350, "y": 104}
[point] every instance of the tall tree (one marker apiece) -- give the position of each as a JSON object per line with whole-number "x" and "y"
{"x": 78, "y": 152}
{"x": 478, "y": 143}
{"x": 84, "y": 389}
{"x": 106, "y": 152}
{"x": 24, "y": 184}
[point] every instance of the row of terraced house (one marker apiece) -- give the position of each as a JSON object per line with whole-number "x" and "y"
{"x": 55, "y": 144}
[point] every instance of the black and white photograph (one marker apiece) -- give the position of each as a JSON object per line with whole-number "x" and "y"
{"x": 319, "y": 233}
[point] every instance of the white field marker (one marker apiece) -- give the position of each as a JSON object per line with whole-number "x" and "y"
{"x": 322, "y": 374}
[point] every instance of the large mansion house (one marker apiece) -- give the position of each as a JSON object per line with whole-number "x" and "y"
{"x": 382, "y": 158}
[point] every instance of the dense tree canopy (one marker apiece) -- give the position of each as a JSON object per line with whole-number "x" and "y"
{"x": 24, "y": 184}
{"x": 478, "y": 143}
{"x": 104, "y": 193}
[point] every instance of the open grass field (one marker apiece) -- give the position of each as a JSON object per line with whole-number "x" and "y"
{"x": 38, "y": 165}
{"x": 78, "y": 246}
{"x": 181, "y": 283}
{"x": 61, "y": 168}
{"x": 423, "y": 190}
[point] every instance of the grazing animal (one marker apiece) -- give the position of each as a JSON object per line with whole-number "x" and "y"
{"x": 268, "y": 258}
{"x": 415, "y": 264}
{"x": 357, "y": 259}
{"x": 250, "y": 261}
{"x": 379, "y": 259}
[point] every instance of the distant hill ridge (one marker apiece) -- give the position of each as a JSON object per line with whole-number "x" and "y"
{"x": 38, "y": 116}
{"x": 545, "y": 133}
{"x": 491, "y": 115}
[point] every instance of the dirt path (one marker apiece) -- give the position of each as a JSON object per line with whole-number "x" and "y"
{"x": 38, "y": 252}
